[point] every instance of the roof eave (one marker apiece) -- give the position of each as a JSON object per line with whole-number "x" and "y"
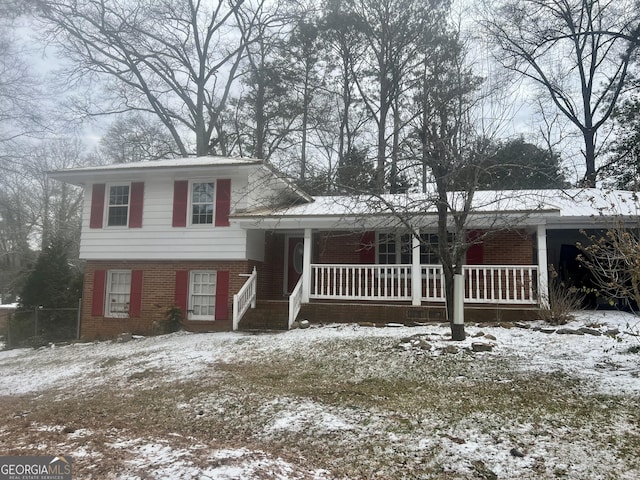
{"x": 82, "y": 176}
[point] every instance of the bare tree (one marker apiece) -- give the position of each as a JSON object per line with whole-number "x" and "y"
{"x": 176, "y": 59}
{"x": 395, "y": 33}
{"x": 58, "y": 205}
{"x": 134, "y": 138}
{"x": 18, "y": 222}
{"x": 452, "y": 146}
{"x": 34, "y": 209}
{"x": 264, "y": 113}
{"x": 578, "y": 51}
{"x": 20, "y": 108}
{"x": 343, "y": 41}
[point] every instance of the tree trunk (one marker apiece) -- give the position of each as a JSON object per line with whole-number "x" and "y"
{"x": 395, "y": 149}
{"x": 305, "y": 122}
{"x": 450, "y": 265}
{"x": 590, "y": 158}
{"x": 382, "y": 146}
{"x": 260, "y": 122}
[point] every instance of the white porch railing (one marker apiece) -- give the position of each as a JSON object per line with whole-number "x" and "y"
{"x": 295, "y": 302}
{"x": 361, "y": 282}
{"x": 501, "y": 284}
{"x": 483, "y": 283}
{"x": 432, "y": 283}
{"x": 245, "y": 298}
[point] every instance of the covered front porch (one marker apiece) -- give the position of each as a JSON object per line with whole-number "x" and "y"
{"x": 329, "y": 271}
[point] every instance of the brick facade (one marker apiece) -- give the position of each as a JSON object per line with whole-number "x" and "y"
{"x": 512, "y": 247}
{"x": 338, "y": 247}
{"x": 159, "y": 277}
{"x": 158, "y": 294}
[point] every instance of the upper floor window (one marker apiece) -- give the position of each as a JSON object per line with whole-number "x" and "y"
{"x": 118, "y": 207}
{"x": 202, "y": 198}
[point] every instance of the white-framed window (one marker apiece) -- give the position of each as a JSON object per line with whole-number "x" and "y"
{"x": 202, "y": 294}
{"x": 118, "y": 199}
{"x": 395, "y": 248}
{"x": 118, "y": 295}
{"x": 202, "y": 203}
{"x": 429, "y": 249}
{"x": 387, "y": 251}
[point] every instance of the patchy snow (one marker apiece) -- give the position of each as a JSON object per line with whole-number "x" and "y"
{"x": 296, "y": 416}
{"x": 601, "y": 358}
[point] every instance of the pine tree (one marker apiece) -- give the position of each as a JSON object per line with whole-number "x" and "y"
{"x": 53, "y": 282}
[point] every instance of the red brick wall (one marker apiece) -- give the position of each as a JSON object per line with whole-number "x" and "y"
{"x": 500, "y": 248}
{"x": 509, "y": 248}
{"x": 338, "y": 247}
{"x": 158, "y": 294}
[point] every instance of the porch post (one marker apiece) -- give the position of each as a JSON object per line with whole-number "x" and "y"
{"x": 306, "y": 265}
{"x": 416, "y": 272}
{"x": 543, "y": 265}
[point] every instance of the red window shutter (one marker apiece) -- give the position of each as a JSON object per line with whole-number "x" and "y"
{"x": 223, "y": 202}
{"x": 368, "y": 247}
{"x": 97, "y": 205}
{"x": 180, "y": 202}
{"x": 135, "y": 300}
{"x": 99, "y": 291}
{"x": 475, "y": 253}
{"x": 182, "y": 291}
{"x": 137, "y": 200}
{"x": 222, "y": 295}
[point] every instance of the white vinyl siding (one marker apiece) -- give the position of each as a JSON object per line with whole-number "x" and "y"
{"x": 118, "y": 294}
{"x": 157, "y": 239}
{"x": 202, "y": 294}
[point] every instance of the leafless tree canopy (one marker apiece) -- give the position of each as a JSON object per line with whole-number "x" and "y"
{"x": 578, "y": 51}
{"x": 175, "y": 59}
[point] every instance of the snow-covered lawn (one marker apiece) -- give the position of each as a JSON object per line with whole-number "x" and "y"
{"x": 338, "y": 401}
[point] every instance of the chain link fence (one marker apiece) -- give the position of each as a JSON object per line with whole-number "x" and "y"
{"x": 34, "y": 328}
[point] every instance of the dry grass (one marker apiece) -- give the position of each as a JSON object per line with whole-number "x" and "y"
{"x": 387, "y": 402}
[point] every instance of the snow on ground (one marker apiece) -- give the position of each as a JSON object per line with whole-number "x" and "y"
{"x": 182, "y": 355}
{"x": 603, "y": 360}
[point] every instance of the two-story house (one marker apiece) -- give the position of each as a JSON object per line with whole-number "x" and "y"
{"x": 195, "y": 233}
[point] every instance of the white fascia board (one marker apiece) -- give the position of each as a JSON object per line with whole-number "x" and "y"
{"x": 572, "y": 223}
{"x": 381, "y": 222}
{"x": 84, "y": 177}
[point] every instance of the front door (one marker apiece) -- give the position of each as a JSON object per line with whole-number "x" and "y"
{"x": 295, "y": 252}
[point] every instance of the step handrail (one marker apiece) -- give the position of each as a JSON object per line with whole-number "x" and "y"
{"x": 245, "y": 298}
{"x": 295, "y": 302}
